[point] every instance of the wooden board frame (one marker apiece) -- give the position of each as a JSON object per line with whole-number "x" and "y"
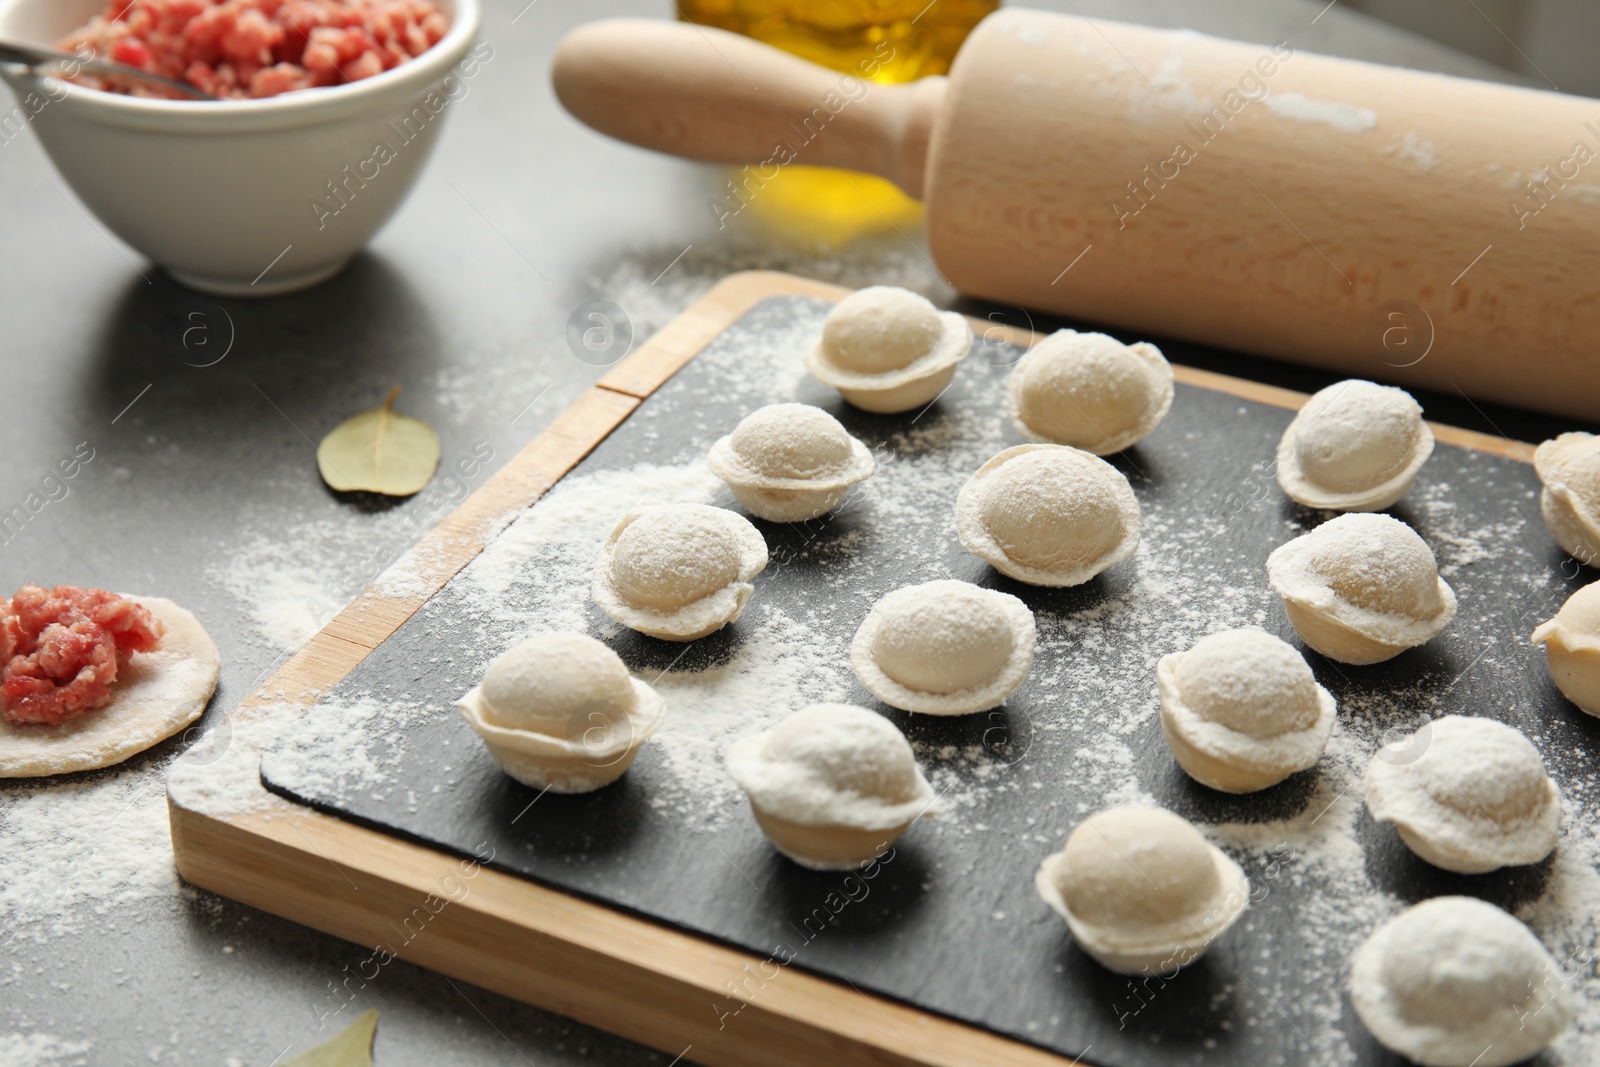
{"x": 647, "y": 982}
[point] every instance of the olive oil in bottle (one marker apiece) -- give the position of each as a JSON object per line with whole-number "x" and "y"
{"x": 885, "y": 41}
{"x": 841, "y": 34}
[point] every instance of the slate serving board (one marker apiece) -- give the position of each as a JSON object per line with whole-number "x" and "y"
{"x": 950, "y": 922}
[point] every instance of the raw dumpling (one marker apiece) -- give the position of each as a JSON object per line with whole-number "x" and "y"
{"x": 790, "y": 462}
{"x": 678, "y": 571}
{"x": 1141, "y": 890}
{"x": 560, "y": 712}
{"x": 1569, "y": 467}
{"x": 1572, "y": 648}
{"x": 1048, "y": 515}
{"x": 944, "y": 648}
{"x": 1355, "y": 446}
{"x": 832, "y": 786}
{"x": 1456, "y": 982}
{"x": 1089, "y": 391}
{"x": 1362, "y": 588}
{"x": 1468, "y": 795}
{"x": 1241, "y": 711}
{"x": 888, "y": 349}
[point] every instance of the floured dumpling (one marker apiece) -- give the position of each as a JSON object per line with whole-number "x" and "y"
{"x": 832, "y": 785}
{"x": 1089, "y": 391}
{"x": 1355, "y": 446}
{"x": 1362, "y": 588}
{"x": 1572, "y": 648}
{"x": 888, "y": 349}
{"x": 1241, "y": 711}
{"x": 678, "y": 571}
{"x": 944, "y": 648}
{"x": 560, "y": 712}
{"x": 1468, "y": 795}
{"x": 1569, "y": 467}
{"x": 790, "y": 462}
{"x": 1141, "y": 890}
{"x": 1456, "y": 982}
{"x": 1048, "y": 515}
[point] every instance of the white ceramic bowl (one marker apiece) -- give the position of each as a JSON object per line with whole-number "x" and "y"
{"x": 238, "y": 197}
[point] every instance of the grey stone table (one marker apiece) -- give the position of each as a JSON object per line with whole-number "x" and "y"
{"x": 200, "y": 484}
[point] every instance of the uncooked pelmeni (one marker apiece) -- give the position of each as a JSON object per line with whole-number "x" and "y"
{"x": 678, "y": 571}
{"x": 1355, "y": 446}
{"x": 1141, "y": 890}
{"x": 1362, "y": 588}
{"x": 1089, "y": 391}
{"x": 944, "y": 648}
{"x": 888, "y": 349}
{"x": 790, "y": 462}
{"x": 1569, "y": 467}
{"x": 1456, "y": 982}
{"x": 560, "y": 712}
{"x": 1048, "y": 515}
{"x": 1468, "y": 795}
{"x": 1241, "y": 711}
{"x": 1572, "y": 648}
{"x": 832, "y": 785}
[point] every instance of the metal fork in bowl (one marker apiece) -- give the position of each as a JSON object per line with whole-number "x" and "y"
{"x": 32, "y": 55}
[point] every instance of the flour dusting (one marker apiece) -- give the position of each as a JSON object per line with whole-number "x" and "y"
{"x": 1335, "y": 113}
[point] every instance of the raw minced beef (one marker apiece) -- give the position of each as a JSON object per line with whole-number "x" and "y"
{"x": 254, "y": 48}
{"x": 62, "y": 649}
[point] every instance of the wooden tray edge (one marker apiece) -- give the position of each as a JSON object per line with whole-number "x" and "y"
{"x": 670, "y": 990}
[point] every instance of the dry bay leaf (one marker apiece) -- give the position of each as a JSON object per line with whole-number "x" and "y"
{"x": 351, "y": 1048}
{"x": 379, "y": 452}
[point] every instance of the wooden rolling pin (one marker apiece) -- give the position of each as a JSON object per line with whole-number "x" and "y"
{"x": 1373, "y": 221}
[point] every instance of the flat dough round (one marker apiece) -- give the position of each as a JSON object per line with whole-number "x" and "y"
{"x": 157, "y": 694}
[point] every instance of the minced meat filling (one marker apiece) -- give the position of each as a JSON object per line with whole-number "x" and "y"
{"x": 244, "y": 49}
{"x": 63, "y": 647}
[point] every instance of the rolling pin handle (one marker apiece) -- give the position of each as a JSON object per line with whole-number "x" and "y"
{"x": 706, "y": 94}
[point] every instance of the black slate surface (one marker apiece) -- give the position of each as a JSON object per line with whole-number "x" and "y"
{"x": 951, "y": 922}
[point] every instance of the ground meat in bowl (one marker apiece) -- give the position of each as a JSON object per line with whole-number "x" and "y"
{"x": 246, "y": 49}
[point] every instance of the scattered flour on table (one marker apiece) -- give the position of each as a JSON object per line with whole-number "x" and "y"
{"x": 286, "y": 587}
{"x": 282, "y": 580}
{"x": 42, "y": 1050}
{"x": 87, "y": 846}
